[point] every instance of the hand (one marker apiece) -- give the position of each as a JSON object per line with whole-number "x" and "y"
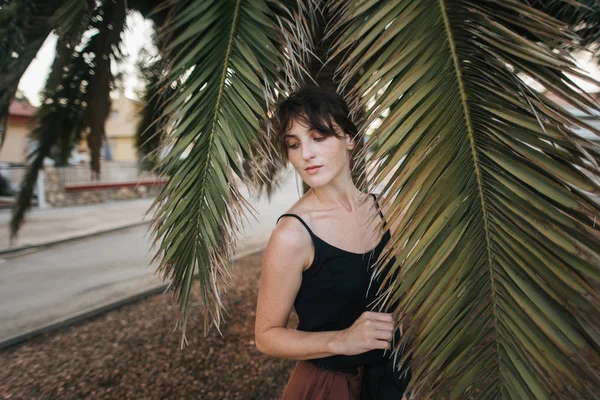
{"x": 372, "y": 330}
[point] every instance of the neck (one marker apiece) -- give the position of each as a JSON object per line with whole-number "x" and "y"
{"x": 348, "y": 197}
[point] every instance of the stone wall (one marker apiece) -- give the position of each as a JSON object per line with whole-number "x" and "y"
{"x": 59, "y": 194}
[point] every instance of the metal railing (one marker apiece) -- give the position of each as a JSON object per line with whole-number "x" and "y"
{"x": 110, "y": 172}
{"x": 14, "y": 175}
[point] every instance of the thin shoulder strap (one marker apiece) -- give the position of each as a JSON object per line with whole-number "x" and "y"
{"x": 385, "y": 224}
{"x": 299, "y": 219}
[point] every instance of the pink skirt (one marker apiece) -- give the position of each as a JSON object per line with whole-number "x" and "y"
{"x": 308, "y": 381}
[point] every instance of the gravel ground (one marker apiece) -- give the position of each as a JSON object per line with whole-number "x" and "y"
{"x": 133, "y": 353}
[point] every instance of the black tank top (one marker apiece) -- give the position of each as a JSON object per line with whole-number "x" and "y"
{"x": 335, "y": 291}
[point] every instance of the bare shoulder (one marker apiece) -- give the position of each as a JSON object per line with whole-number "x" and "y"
{"x": 291, "y": 236}
{"x": 290, "y": 233}
{"x": 290, "y": 243}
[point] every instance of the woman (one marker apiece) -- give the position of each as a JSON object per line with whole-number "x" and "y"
{"x": 318, "y": 260}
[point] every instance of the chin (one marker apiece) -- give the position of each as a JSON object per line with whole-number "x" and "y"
{"x": 316, "y": 182}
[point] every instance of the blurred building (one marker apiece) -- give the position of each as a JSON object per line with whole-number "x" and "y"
{"x": 121, "y": 127}
{"x": 21, "y": 120}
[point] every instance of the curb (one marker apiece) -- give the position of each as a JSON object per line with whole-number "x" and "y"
{"x": 98, "y": 310}
{"x": 39, "y": 246}
{"x": 78, "y": 317}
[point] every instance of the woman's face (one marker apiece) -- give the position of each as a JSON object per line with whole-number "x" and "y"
{"x": 307, "y": 148}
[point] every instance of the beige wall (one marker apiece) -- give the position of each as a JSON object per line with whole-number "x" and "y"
{"x": 123, "y": 148}
{"x": 15, "y": 142}
{"x": 121, "y": 126}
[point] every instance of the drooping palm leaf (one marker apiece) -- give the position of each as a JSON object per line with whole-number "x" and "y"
{"x": 154, "y": 10}
{"x": 101, "y": 49}
{"x": 23, "y": 28}
{"x": 71, "y": 19}
{"x": 583, "y": 16}
{"x": 322, "y": 74}
{"x": 76, "y": 97}
{"x": 151, "y": 68}
{"x": 498, "y": 244}
{"x": 57, "y": 118}
{"x": 295, "y": 20}
{"x": 223, "y": 63}
{"x": 150, "y": 128}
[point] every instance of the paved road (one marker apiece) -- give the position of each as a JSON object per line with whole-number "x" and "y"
{"x": 47, "y": 285}
{"x": 54, "y": 224}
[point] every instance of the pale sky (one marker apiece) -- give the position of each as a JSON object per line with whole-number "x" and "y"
{"x": 137, "y": 35}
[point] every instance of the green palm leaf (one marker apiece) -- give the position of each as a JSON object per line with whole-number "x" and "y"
{"x": 295, "y": 22}
{"x": 224, "y": 65}
{"x": 71, "y": 19}
{"x": 75, "y": 97}
{"x": 497, "y": 271}
{"x": 148, "y": 131}
{"x": 23, "y": 28}
{"x": 59, "y": 116}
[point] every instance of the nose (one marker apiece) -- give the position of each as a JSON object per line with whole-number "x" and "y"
{"x": 307, "y": 151}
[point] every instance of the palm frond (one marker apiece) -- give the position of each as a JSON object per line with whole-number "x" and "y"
{"x": 154, "y": 10}
{"x": 23, "y": 29}
{"x": 101, "y": 49}
{"x": 149, "y": 130}
{"x": 295, "y": 20}
{"x": 60, "y": 114}
{"x": 75, "y": 97}
{"x": 496, "y": 275}
{"x": 222, "y": 57}
{"x": 583, "y": 16}
{"x": 71, "y": 19}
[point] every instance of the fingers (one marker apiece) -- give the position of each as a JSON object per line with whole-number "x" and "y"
{"x": 384, "y": 335}
{"x": 377, "y": 316}
{"x": 386, "y": 326}
{"x": 382, "y": 344}
{"x": 379, "y": 332}
{"x": 377, "y": 329}
{"x": 382, "y": 326}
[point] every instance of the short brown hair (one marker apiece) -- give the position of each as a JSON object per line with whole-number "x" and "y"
{"x": 317, "y": 107}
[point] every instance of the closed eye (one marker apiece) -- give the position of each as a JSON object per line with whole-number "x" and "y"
{"x": 316, "y": 139}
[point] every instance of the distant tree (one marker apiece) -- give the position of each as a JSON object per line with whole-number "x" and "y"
{"x": 149, "y": 130}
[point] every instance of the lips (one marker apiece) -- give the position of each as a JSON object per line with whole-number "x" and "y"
{"x": 313, "y": 168}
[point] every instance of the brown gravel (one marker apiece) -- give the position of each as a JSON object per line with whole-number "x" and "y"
{"x": 133, "y": 353}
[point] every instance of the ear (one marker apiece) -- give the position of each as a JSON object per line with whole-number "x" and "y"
{"x": 350, "y": 142}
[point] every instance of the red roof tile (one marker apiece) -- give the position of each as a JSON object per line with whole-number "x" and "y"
{"x": 21, "y": 109}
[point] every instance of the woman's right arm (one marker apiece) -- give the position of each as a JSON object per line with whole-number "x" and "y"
{"x": 287, "y": 253}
